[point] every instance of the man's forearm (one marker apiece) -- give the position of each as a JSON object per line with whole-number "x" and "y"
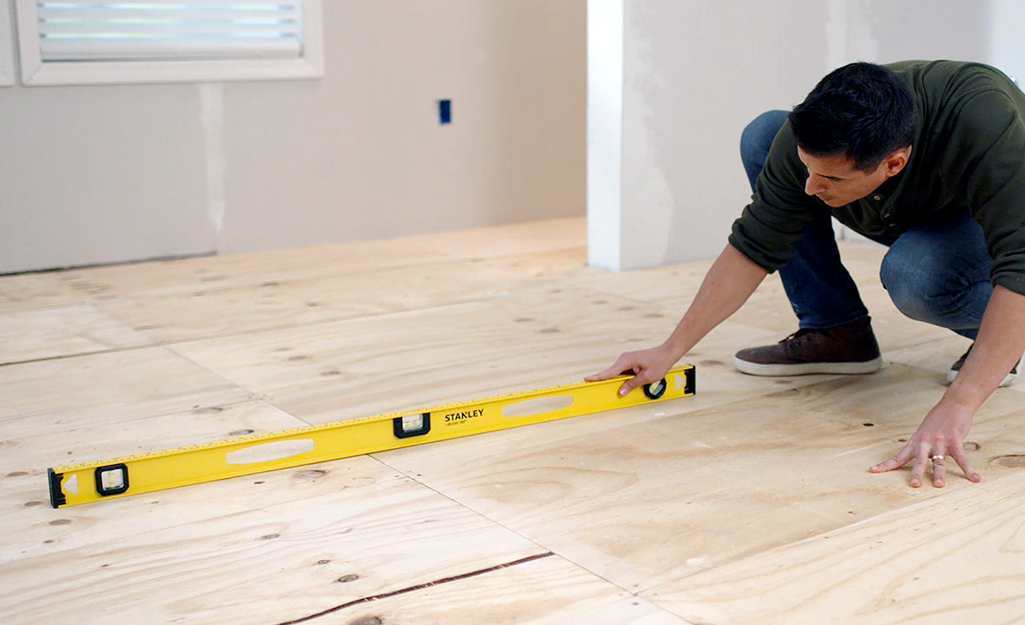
{"x": 727, "y": 285}
{"x": 997, "y": 348}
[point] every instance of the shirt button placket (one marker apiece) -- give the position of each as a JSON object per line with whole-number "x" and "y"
{"x": 879, "y": 198}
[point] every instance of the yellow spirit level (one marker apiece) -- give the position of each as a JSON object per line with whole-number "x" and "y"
{"x": 245, "y": 455}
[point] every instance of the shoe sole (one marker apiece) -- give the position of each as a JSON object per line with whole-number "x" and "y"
{"x": 808, "y": 368}
{"x": 1008, "y": 380}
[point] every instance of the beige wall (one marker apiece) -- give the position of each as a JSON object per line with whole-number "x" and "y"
{"x": 112, "y": 173}
{"x": 695, "y": 72}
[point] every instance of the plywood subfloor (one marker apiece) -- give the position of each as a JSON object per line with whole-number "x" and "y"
{"x": 749, "y": 503}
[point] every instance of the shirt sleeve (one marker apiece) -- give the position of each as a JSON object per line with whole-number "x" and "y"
{"x": 992, "y": 174}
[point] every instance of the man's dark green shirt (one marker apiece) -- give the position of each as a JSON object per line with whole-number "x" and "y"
{"x": 968, "y": 152}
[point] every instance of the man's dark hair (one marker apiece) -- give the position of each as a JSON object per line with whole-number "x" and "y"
{"x": 862, "y": 110}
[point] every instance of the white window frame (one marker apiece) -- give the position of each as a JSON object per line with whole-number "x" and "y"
{"x": 6, "y": 45}
{"x": 35, "y": 72}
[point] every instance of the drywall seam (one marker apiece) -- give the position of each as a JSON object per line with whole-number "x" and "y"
{"x": 648, "y": 204}
{"x": 211, "y": 101}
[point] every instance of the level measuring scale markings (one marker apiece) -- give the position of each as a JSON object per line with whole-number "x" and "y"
{"x": 256, "y": 453}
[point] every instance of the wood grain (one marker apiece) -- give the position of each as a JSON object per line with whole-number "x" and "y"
{"x": 713, "y": 485}
{"x": 939, "y": 561}
{"x": 34, "y": 291}
{"x": 62, "y": 331}
{"x": 748, "y": 503}
{"x": 63, "y": 394}
{"x": 250, "y": 564}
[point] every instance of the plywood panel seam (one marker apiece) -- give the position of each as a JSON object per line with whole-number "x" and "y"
{"x": 480, "y": 513}
{"x": 550, "y": 550}
{"x": 79, "y": 354}
{"x": 417, "y": 587}
{"x": 314, "y": 324}
{"x": 253, "y": 393}
{"x": 652, "y": 302}
{"x": 262, "y": 281}
{"x": 302, "y": 422}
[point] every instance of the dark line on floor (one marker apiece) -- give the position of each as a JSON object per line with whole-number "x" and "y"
{"x": 395, "y": 593}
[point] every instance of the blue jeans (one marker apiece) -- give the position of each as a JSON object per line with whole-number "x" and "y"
{"x": 936, "y": 272}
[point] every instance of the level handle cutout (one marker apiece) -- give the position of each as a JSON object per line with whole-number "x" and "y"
{"x": 266, "y": 452}
{"x": 537, "y": 406}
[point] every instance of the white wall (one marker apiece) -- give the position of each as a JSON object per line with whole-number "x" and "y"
{"x": 1007, "y": 37}
{"x": 605, "y": 132}
{"x": 695, "y": 72}
{"x": 111, "y": 173}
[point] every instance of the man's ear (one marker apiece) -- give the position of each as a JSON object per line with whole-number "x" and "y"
{"x": 896, "y": 161}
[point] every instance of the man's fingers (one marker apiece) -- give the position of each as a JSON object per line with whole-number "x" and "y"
{"x": 639, "y": 379}
{"x": 887, "y": 465}
{"x": 961, "y": 458}
{"x": 923, "y": 460}
{"x": 606, "y": 374}
{"x": 618, "y": 368}
{"x": 895, "y": 462}
{"x": 918, "y": 471}
{"x": 939, "y": 471}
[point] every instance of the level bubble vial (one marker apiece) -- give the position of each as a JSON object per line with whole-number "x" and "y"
{"x": 655, "y": 389}
{"x": 412, "y": 425}
{"x": 112, "y": 479}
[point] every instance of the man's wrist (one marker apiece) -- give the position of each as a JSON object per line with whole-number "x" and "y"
{"x": 960, "y": 400}
{"x": 672, "y": 351}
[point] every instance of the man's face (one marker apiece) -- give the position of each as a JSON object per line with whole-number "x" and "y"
{"x": 835, "y": 181}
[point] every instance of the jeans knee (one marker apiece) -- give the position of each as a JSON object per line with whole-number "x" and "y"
{"x": 916, "y": 289}
{"x": 749, "y": 138}
{"x": 908, "y": 288}
{"x": 940, "y": 274}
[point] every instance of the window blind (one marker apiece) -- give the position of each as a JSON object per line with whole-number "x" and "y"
{"x": 169, "y": 30}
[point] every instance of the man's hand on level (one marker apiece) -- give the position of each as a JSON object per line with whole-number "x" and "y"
{"x": 647, "y": 366}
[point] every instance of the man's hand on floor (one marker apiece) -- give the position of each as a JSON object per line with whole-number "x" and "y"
{"x": 941, "y": 435}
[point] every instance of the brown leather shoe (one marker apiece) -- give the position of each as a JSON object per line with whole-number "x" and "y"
{"x": 850, "y": 348}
